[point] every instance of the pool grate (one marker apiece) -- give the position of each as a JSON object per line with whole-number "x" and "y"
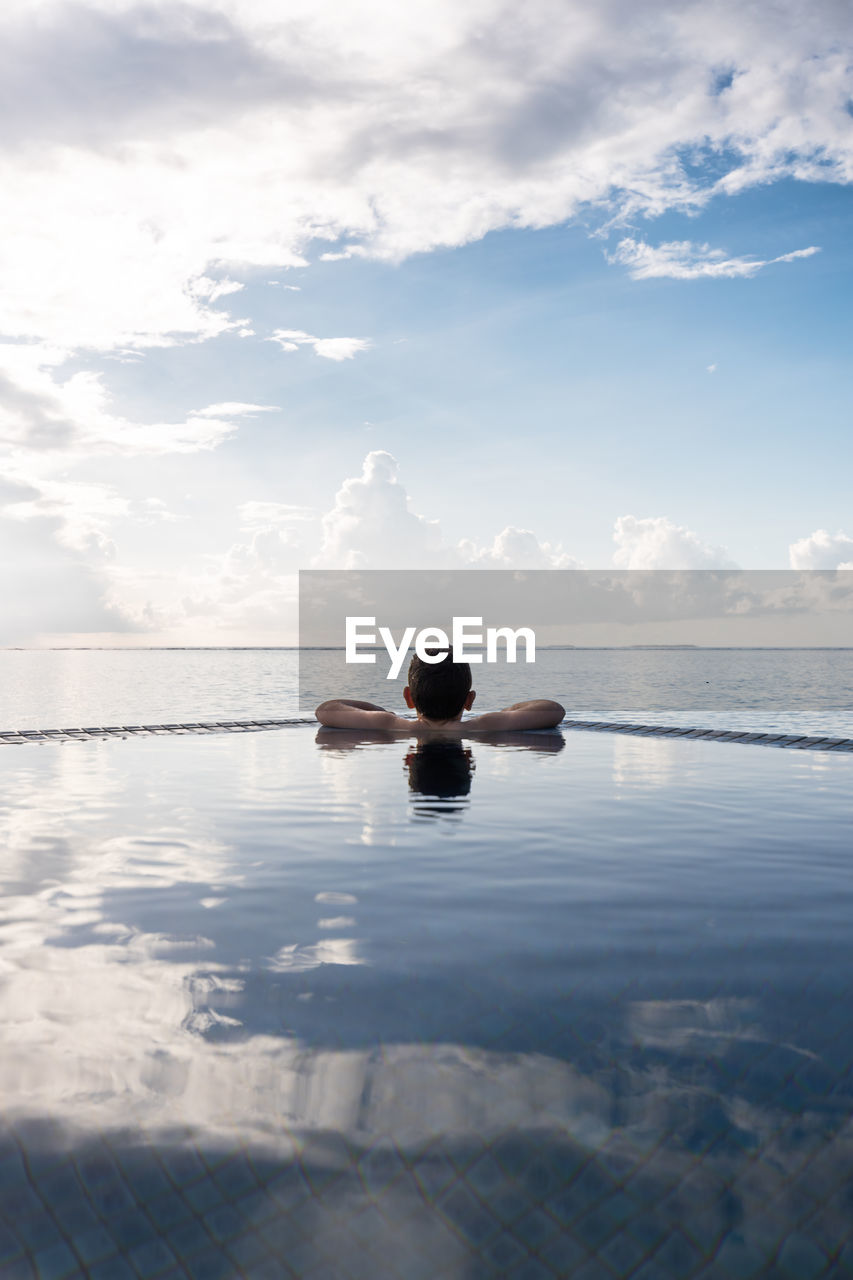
{"x": 795, "y": 741}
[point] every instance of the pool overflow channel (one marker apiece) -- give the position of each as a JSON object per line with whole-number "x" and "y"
{"x": 801, "y": 742}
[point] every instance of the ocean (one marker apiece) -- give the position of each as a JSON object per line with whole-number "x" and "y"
{"x": 760, "y": 690}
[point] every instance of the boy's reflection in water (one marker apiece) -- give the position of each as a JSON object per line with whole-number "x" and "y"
{"x": 440, "y": 769}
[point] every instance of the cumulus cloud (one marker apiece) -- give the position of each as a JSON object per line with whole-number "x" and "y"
{"x": 684, "y": 260}
{"x": 822, "y": 550}
{"x": 152, "y": 153}
{"x": 371, "y": 526}
{"x": 330, "y": 348}
{"x": 515, "y": 548}
{"x": 656, "y": 543}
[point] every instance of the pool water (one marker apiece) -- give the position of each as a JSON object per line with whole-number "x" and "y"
{"x": 300, "y": 1003}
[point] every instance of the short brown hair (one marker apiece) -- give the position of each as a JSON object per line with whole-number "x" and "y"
{"x": 439, "y": 689}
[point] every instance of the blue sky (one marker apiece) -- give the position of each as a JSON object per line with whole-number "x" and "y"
{"x": 358, "y": 305}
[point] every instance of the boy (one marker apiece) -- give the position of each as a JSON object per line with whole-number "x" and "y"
{"x": 439, "y": 692}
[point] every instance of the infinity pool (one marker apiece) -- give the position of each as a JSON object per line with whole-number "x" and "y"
{"x": 295, "y": 1003}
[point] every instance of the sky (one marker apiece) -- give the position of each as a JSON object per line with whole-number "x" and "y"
{"x": 300, "y": 285}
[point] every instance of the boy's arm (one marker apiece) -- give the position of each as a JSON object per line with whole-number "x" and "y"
{"x": 541, "y": 713}
{"x": 348, "y": 713}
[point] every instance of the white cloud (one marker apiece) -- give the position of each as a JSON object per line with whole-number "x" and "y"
{"x": 822, "y": 550}
{"x": 133, "y": 195}
{"x": 42, "y": 413}
{"x": 684, "y": 260}
{"x": 269, "y": 553}
{"x": 232, "y": 409}
{"x": 331, "y": 348}
{"x": 371, "y": 526}
{"x": 656, "y": 543}
{"x": 79, "y": 514}
{"x": 53, "y": 557}
{"x": 515, "y": 548}
{"x": 265, "y": 515}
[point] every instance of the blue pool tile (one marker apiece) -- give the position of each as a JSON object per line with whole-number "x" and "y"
{"x": 202, "y": 1196}
{"x": 61, "y": 1187}
{"x": 504, "y": 1251}
{"x": 130, "y": 1229}
{"x": 235, "y": 1178}
{"x": 75, "y": 1216}
{"x": 678, "y": 1256}
{"x": 151, "y": 1259}
{"x": 10, "y": 1246}
{"x": 283, "y": 1235}
{"x": 37, "y": 1233}
{"x": 114, "y": 1269}
{"x": 737, "y": 1259}
{"x": 509, "y": 1203}
{"x": 19, "y": 1268}
{"x": 206, "y": 1265}
{"x": 45, "y": 1144}
{"x": 360, "y": 1265}
{"x": 110, "y": 1198}
{"x": 462, "y": 1208}
{"x": 168, "y": 1211}
{"x": 22, "y": 1201}
{"x": 587, "y": 1190}
{"x": 535, "y": 1228}
{"x": 183, "y": 1165}
{"x": 622, "y": 1253}
{"x": 56, "y": 1263}
{"x": 564, "y": 1254}
{"x": 541, "y": 1180}
{"x": 326, "y": 1272}
{"x": 145, "y": 1175}
{"x": 269, "y": 1269}
{"x": 532, "y": 1269}
{"x": 188, "y": 1238}
{"x": 486, "y": 1176}
{"x": 259, "y": 1208}
{"x": 298, "y": 1253}
{"x": 12, "y": 1170}
{"x": 801, "y": 1259}
{"x": 434, "y": 1175}
{"x": 94, "y": 1244}
{"x": 289, "y": 1190}
{"x": 97, "y": 1168}
{"x": 605, "y": 1220}
{"x": 380, "y": 1167}
{"x": 224, "y": 1222}
{"x": 247, "y": 1249}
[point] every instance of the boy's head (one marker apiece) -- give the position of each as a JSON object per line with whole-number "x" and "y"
{"x": 439, "y": 690}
